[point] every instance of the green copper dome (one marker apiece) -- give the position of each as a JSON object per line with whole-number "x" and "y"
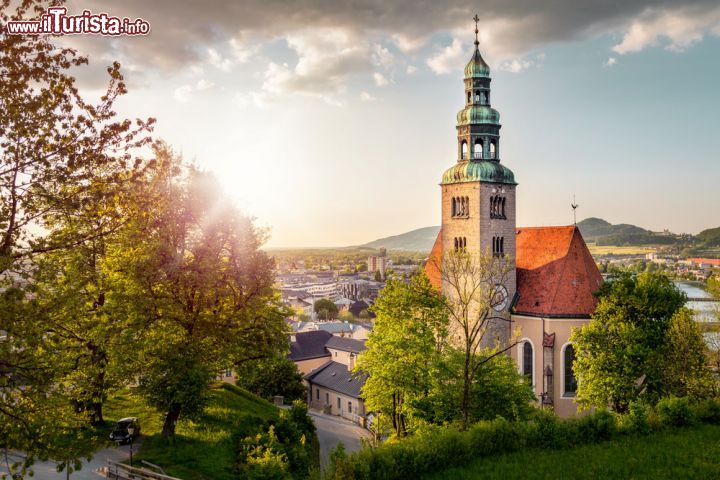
{"x": 478, "y": 171}
{"x": 478, "y": 114}
{"x": 476, "y": 67}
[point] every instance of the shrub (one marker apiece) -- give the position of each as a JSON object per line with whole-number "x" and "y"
{"x": 596, "y": 428}
{"x": 675, "y": 412}
{"x": 708, "y": 411}
{"x": 636, "y": 420}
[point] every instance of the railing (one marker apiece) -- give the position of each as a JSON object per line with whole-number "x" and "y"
{"x": 119, "y": 471}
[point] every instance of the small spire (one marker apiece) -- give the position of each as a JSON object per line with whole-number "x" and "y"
{"x": 477, "y": 19}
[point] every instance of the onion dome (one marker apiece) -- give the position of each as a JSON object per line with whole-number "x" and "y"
{"x": 482, "y": 171}
{"x": 478, "y": 114}
{"x": 476, "y": 67}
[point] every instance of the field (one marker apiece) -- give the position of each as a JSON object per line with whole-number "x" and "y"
{"x": 202, "y": 449}
{"x": 619, "y": 250}
{"x": 686, "y": 453}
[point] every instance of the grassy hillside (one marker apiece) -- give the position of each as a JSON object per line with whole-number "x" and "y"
{"x": 710, "y": 237}
{"x": 685, "y": 453}
{"x": 204, "y": 449}
{"x": 420, "y": 240}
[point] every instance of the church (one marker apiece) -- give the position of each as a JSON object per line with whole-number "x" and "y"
{"x": 552, "y": 275}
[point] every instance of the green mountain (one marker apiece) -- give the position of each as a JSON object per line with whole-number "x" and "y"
{"x": 420, "y": 240}
{"x": 710, "y": 237}
{"x": 593, "y": 228}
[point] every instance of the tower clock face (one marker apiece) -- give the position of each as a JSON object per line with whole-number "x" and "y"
{"x": 500, "y": 298}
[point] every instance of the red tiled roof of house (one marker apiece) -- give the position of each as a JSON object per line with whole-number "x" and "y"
{"x": 432, "y": 267}
{"x": 706, "y": 261}
{"x": 556, "y": 275}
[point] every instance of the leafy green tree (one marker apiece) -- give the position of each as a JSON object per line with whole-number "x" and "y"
{"x": 191, "y": 280}
{"x": 273, "y": 376}
{"x": 326, "y": 309}
{"x": 404, "y": 350}
{"x": 713, "y": 285}
{"x": 686, "y": 372}
{"x": 620, "y": 352}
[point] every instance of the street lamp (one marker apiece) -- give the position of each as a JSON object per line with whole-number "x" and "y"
{"x": 131, "y": 431}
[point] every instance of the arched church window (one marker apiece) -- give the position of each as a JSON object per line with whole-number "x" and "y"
{"x": 569, "y": 380}
{"x": 464, "y": 149}
{"x": 492, "y": 207}
{"x": 492, "y": 149}
{"x": 502, "y": 208}
{"x": 502, "y": 246}
{"x": 477, "y": 96}
{"x": 478, "y": 149}
{"x": 527, "y": 360}
{"x": 456, "y": 244}
{"x": 469, "y": 97}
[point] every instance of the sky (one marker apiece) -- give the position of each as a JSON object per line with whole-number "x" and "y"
{"x": 331, "y": 121}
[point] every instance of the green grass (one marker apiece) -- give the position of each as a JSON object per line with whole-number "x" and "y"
{"x": 619, "y": 250}
{"x": 685, "y": 453}
{"x": 202, "y": 449}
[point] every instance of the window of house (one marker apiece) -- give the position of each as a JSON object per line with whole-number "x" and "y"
{"x": 339, "y": 404}
{"x": 349, "y": 407}
{"x": 327, "y": 399}
{"x": 569, "y": 380}
{"x": 527, "y": 360}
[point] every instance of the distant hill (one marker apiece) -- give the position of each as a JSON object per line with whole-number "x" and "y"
{"x": 710, "y": 237}
{"x": 420, "y": 240}
{"x": 603, "y": 232}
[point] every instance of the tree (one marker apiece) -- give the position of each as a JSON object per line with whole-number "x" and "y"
{"x": 60, "y": 156}
{"x": 686, "y": 372}
{"x": 191, "y": 280}
{"x": 378, "y": 276}
{"x": 404, "y": 349}
{"x": 326, "y": 309}
{"x": 620, "y": 352}
{"x": 272, "y": 376}
{"x": 470, "y": 284}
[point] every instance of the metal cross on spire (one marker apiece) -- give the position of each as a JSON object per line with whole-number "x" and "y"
{"x": 477, "y": 19}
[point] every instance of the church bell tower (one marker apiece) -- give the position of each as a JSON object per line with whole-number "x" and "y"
{"x": 478, "y": 192}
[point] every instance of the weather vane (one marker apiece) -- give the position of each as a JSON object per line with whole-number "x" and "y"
{"x": 477, "y": 19}
{"x": 574, "y": 207}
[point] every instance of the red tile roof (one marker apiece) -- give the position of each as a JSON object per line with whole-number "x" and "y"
{"x": 432, "y": 267}
{"x": 556, "y": 275}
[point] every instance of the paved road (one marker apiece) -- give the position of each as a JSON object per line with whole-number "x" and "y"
{"x": 48, "y": 471}
{"x": 332, "y": 430}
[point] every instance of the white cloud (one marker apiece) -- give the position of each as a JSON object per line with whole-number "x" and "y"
{"x": 407, "y": 43}
{"x": 611, "y": 61}
{"x": 380, "y": 79}
{"x": 515, "y": 66}
{"x": 243, "y": 53}
{"x": 382, "y": 57}
{"x": 183, "y": 93}
{"x": 679, "y": 28}
{"x": 218, "y": 61}
{"x": 411, "y": 69}
{"x": 366, "y": 97}
{"x": 449, "y": 58}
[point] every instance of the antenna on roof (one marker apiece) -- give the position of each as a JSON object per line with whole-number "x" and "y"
{"x": 574, "y": 206}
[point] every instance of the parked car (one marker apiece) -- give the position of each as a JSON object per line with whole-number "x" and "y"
{"x": 121, "y": 430}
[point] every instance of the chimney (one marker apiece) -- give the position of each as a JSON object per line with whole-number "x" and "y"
{"x": 351, "y": 362}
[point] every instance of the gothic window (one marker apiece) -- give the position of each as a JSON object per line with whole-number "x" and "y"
{"x": 478, "y": 149}
{"x": 498, "y": 247}
{"x": 502, "y": 208}
{"x": 502, "y": 246}
{"x": 569, "y": 380}
{"x": 454, "y": 207}
{"x": 464, "y": 149}
{"x": 456, "y": 244}
{"x": 464, "y": 242}
{"x": 527, "y": 360}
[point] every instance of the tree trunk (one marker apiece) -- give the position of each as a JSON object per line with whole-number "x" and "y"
{"x": 171, "y": 419}
{"x": 465, "y": 407}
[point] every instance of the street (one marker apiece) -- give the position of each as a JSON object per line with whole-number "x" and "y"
{"x": 331, "y": 430}
{"x": 47, "y": 470}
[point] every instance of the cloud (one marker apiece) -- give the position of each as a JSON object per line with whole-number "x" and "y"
{"x": 183, "y": 93}
{"x": 366, "y": 97}
{"x": 382, "y": 57}
{"x": 611, "y": 61}
{"x": 411, "y": 69}
{"x": 515, "y": 66}
{"x": 449, "y": 58}
{"x": 680, "y": 29}
{"x": 380, "y": 79}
